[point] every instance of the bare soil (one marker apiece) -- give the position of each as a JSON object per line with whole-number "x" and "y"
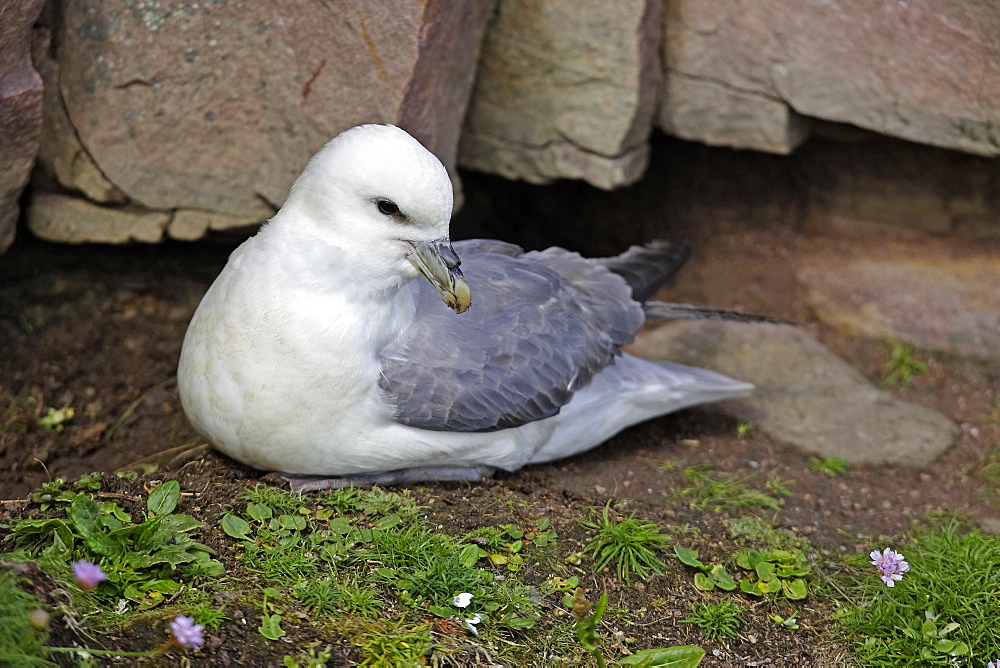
{"x": 99, "y": 329}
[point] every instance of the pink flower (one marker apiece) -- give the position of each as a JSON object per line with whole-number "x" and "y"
{"x": 186, "y": 632}
{"x": 890, "y": 565}
{"x": 88, "y": 575}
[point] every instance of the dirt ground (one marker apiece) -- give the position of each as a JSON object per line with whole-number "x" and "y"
{"x": 99, "y": 329}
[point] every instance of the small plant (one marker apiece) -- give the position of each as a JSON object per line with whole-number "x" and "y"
{"x": 706, "y": 491}
{"x": 630, "y": 545}
{"x": 773, "y": 572}
{"x": 270, "y": 616}
{"x": 937, "y": 645}
{"x": 942, "y": 608}
{"x": 338, "y": 594}
{"x": 717, "y": 620}
{"x": 711, "y": 576}
{"x": 56, "y": 419}
{"x": 902, "y": 365}
{"x": 753, "y": 531}
{"x": 779, "y": 486}
{"x": 23, "y": 624}
{"x": 144, "y": 562}
{"x": 310, "y": 659}
{"x": 394, "y": 645}
{"x": 830, "y": 466}
{"x": 743, "y": 428}
{"x": 504, "y": 544}
{"x": 588, "y": 616}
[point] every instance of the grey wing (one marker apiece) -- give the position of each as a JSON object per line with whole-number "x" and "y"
{"x": 541, "y": 325}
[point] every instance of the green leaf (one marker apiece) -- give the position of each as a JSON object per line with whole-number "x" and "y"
{"x": 515, "y": 532}
{"x": 340, "y": 525}
{"x": 688, "y": 556}
{"x": 543, "y": 523}
{"x": 517, "y": 622}
{"x": 292, "y": 522}
{"x": 586, "y": 628}
{"x": 235, "y": 527}
{"x": 722, "y": 578}
{"x": 795, "y": 590}
{"x": 960, "y": 649}
{"x": 944, "y": 646}
{"x": 179, "y": 523}
{"x": 748, "y": 587}
{"x": 208, "y": 568}
{"x": 270, "y": 626}
{"x": 703, "y": 582}
{"x": 85, "y": 515}
{"x": 680, "y": 656}
{"x": 164, "y": 498}
{"x": 440, "y": 611}
{"x": 259, "y": 511}
{"x": 765, "y": 570}
{"x": 102, "y": 544}
{"x": 164, "y": 586}
{"x": 470, "y": 554}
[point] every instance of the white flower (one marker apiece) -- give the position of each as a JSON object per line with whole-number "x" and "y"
{"x": 462, "y": 600}
{"x": 471, "y": 622}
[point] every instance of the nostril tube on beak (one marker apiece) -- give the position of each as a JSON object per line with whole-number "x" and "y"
{"x": 450, "y": 257}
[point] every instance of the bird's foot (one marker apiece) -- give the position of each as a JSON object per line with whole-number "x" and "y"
{"x": 311, "y": 483}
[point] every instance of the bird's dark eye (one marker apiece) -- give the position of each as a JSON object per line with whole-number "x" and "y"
{"x": 387, "y": 207}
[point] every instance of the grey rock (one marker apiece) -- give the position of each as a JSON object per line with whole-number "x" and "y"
{"x": 20, "y": 109}
{"x": 926, "y": 72}
{"x": 565, "y": 90}
{"x": 805, "y": 394}
{"x": 939, "y": 303}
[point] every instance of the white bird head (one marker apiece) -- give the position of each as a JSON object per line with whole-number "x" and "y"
{"x": 375, "y": 193}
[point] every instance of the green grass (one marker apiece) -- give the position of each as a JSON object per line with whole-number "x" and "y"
{"x": 629, "y": 545}
{"x": 954, "y": 579}
{"x": 718, "y": 621}
{"x": 752, "y": 531}
{"x": 146, "y": 560}
{"x": 394, "y": 645}
{"x": 708, "y": 491}
{"x": 20, "y": 640}
{"x": 902, "y": 365}
{"x": 829, "y": 466}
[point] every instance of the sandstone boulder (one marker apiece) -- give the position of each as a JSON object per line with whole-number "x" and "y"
{"x": 566, "y": 90}
{"x": 214, "y": 108}
{"x": 926, "y": 72}
{"x": 20, "y": 109}
{"x": 937, "y": 303}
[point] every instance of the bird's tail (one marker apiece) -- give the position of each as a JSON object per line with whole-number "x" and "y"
{"x": 672, "y": 311}
{"x": 645, "y": 268}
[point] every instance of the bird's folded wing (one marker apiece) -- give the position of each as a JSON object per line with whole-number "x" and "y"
{"x": 541, "y": 325}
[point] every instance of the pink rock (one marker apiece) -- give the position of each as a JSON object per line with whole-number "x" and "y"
{"x": 922, "y": 71}
{"x": 20, "y": 109}
{"x": 216, "y": 107}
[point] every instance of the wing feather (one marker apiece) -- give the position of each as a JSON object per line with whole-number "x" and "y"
{"x": 541, "y": 325}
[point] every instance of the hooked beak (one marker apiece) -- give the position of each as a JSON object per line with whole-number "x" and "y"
{"x": 438, "y": 262}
